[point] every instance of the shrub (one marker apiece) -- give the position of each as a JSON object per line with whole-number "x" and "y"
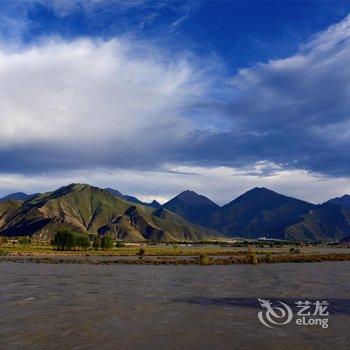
{"x": 203, "y": 259}
{"x": 107, "y": 242}
{"x": 268, "y": 257}
{"x": 3, "y": 240}
{"x": 119, "y": 244}
{"x": 294, "y": 250}
{"x": 253, "y": 258}
{"x": 24, "y": 240}
{"x": 64, "y": 239}
{"x": 82, "y": 241}
{"x": 141, "y": 252}
{"x": 96, "y": 242}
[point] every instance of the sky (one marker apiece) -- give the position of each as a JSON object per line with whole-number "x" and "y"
{"x": 156, "y": 97}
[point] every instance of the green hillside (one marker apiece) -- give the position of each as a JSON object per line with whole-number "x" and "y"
{"x": 327, "y": 223}
{"x": 92, "y": 210}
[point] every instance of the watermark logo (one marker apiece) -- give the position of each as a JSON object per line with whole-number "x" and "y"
{"x": 274, "y": 315}
{"x": 308, "y": 313}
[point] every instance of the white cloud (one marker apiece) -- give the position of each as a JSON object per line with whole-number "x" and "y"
{"x": 97, "y": 100}
{"x": 98, "y": 111}
{"x": 295, "y": 110}
{"x": 221, "y": 184}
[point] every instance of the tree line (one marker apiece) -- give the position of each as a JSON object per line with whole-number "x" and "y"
{"x": 66, "y": 239}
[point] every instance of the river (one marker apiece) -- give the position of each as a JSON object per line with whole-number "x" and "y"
{"x": 69, "y": 306}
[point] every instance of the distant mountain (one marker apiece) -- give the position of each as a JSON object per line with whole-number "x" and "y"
{"x": 258, "y": 213}
{"x": 344, "y": 201}
{"x": 345, "y": 240}
{"x": 133, "y": 199}
{"x": 192, "y": 206}
{"x": 92, "y": 210}
{"x": 18, "y": 196}
{"x": 155, "y": 204}
{"x": 114, "y": 192}
{"x": 329, "y": 222}
{"x": 128, "y": 198}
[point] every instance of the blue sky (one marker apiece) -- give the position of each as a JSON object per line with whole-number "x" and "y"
{"x": 240, "y": 32}
{"x": 154, "y": 97}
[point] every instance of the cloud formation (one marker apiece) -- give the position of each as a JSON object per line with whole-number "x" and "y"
{"x": 294, "y": 111}
{"x": 124, "y": 105}
{"x": 91, "y": 103}
{"x": 221, "y": 184}
{"x": 25, "y": 21}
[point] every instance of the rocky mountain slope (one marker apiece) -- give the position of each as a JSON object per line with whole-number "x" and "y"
{"x": 94, "y": 210}
{"x": 329, "y": 222}
{"x": 257, "y": 213}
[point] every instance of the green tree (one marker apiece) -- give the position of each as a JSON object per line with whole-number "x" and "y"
{"x": 83, "y": 241}
{"x": 96, "y": 242}
{"x": 119, "y": 244}
{"x": 107, "y": 242}
{"x": 64, "y": 239}
{"x": 141, "y": 252}
{"x": 24, "y": 240}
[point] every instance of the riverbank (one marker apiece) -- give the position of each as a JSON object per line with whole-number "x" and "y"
{"x": 244, "y": 258}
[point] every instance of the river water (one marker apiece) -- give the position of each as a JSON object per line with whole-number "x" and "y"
{"x": 69, "y": 306}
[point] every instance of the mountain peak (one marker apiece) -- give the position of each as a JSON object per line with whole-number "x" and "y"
{"x": 192, "y": 206}
{"x": 343, "y": 201}
{"x": 256, "y": 193}
{"x": 73, "y": 187}
{"x": 193, "y": 198}
{"x": 261, "y": 190}
{"x": 155, "y": 204}
{"x": 258, "y": 196}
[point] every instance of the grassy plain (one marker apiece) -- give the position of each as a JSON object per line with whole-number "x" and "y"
{"x": 208, "y": 253}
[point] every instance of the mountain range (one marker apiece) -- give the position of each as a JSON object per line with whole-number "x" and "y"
{"x": 93, "y": 210}
{"x": 132, "y": 199}
{"x": 261, "y": 212}
{"x": 257, "y": 213}
{"x": 18, "y": 196}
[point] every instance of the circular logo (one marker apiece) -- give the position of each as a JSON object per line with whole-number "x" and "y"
{"x": 274, "y": 315}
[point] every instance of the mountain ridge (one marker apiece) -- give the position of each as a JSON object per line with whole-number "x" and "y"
{"x": 18, "y": 196}
{"x": 259, "y": 212}
{"x": 192, "y": 206}
{"x": 90, "y": 209}
{"x": 131, "y": 199}
{"x": 343, "y": 201}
